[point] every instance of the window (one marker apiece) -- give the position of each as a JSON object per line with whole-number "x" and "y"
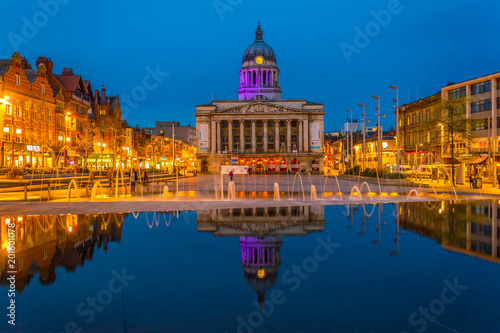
{"x": 294, "y": 123}
{"x": 224, "y": 124}
{"x": 259, "y": 138}
{"x": 247, "y": 124}
{"x": 102, "y": 112}
{"x": 248, "y": 146}
{"x": 282, "y": 138}
{"x": 457, "y": 93}
{"x": 50, "y": 116}
{"x": 271, "y": 138}
{"x": 72, "y": 106}
{"x": 481, "y": 87}
{"x": 17, "y": 108}
{"x": 18, "y": 81}
{"x": 236, "y": 139}
{"x": 81, "y": 109}
{"x": 236, "y": 124}
{"x": 42, "y": 89}
{"x": 481, "y": 106}
{"x": 247, "y": 139}
{"x": 254, "y": 79}
{"x": 224, "y": 138}
{"x": 282, "y": 124}
{"x": 294, "y": 138}
{"x": 270, "y": 146}
{"x": 259, "y": 123}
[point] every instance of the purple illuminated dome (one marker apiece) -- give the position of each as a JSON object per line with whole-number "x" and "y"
{"x": 259, "y": 82}
{"x": 259, "y": 48}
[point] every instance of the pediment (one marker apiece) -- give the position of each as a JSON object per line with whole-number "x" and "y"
{"x": 259, "y": 108}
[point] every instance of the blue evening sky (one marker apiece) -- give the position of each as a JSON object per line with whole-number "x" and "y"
{"x": 200, "y": 43}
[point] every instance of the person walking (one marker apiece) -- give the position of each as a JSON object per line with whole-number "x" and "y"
{"x": 470, "y": 180}
{"x": 133, "y": 179}
{"x": 231, "y": 175}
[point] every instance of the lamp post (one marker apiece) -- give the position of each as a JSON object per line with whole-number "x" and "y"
{"x": 364, "y": 132}
{"x": 379, "y": 133}
{"x": 259, "y": 61}
{"x": 101, "y": 147}
{"x": 351, "y": 143}
{"x": 397, "y": 123}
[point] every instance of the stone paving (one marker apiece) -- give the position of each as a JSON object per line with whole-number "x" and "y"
{"x": 206, "y": 189}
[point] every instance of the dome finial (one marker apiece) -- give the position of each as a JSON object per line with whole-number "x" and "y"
{"x": 259, "y": 34}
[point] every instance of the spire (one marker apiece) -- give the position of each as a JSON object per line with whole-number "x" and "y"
{"x": 259, "y": 34}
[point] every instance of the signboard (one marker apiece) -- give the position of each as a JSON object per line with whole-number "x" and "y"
{"x": 315, "y": 136}
{"x": 204, "y": 137}
{"x": 385, "y": 145}
{"x": 236, "y": 169}
{"x": 79, "y": 99}
{"x": 32, "y": 148}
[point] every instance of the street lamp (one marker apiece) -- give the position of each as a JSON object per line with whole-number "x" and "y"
{"x": 379, "y": 132}
{"x": 352, "y": 143}
{"x": 364, "y": 132}
{"x": 101, "y": 149}
{"x": 397, "y": 123}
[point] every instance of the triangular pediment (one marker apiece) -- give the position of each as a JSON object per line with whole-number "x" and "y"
{"x": 259, "y": 108}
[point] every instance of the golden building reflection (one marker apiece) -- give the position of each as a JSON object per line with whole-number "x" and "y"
{"x": 46, "y": 242}
{"x": 468, "y": 227}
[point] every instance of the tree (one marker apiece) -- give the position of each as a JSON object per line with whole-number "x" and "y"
{"x": 451, "y": 127}
{"x": 85, "y": 138}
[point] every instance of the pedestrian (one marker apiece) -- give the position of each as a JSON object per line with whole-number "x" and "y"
{"x": 231, "y": 175}
{"x": 144, "y": 176}
{"x": 470, "y": 180}
{"x": 91, "y": 178}
{"x": 133, "y": 179}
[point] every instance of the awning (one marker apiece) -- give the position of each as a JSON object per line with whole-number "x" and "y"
{"x": 480, "y": 160}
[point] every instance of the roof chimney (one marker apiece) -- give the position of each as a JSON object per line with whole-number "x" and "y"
{"x": 67, "y": 71}
{"x": 47, "y": 62}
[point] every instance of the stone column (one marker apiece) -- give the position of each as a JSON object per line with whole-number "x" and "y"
{"x": 300, "y": 147}
{"x": 288, "y": 136}
{"x": 254, "y": 138}
{"x": 218, "y": 137}
{"x": 306, "y": 135}
{"x": 265, "y": 136}
{"x": 230, "y": 136}
{"x": 277, "y": 136}
{"x": 242, "y": 136}
{"x": 213, "y": 140}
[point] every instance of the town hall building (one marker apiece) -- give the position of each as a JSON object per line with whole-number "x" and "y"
{"x": 260, "y": 130}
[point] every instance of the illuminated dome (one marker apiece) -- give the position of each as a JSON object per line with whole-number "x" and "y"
{"x": 259, "y": 80}
{"x": 259, "y": 48}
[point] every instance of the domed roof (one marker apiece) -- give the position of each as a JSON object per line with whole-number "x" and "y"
{"x": 259, "y": 48}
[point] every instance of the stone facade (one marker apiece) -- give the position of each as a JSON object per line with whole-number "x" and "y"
{"x": 261, "y": 130}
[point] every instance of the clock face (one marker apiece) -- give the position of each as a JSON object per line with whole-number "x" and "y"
{"x": 259, "y": 60}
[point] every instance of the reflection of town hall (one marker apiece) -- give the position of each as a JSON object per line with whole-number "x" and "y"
{"x": 260, "y": 129}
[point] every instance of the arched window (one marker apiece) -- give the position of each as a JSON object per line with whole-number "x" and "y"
{"x": 264, "y": 78}
{"x": 254, "y": 80}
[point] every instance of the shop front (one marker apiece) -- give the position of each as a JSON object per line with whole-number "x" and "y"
{"x": 25, "y": 155}
{"x": 96, "y": 161}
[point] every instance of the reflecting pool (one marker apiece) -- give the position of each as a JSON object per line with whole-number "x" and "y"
{"x": 406, "y": 267}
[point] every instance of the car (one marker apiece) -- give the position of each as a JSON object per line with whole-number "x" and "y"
{"x": 404, "y": 169}
{"x": 422, "y": 171}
